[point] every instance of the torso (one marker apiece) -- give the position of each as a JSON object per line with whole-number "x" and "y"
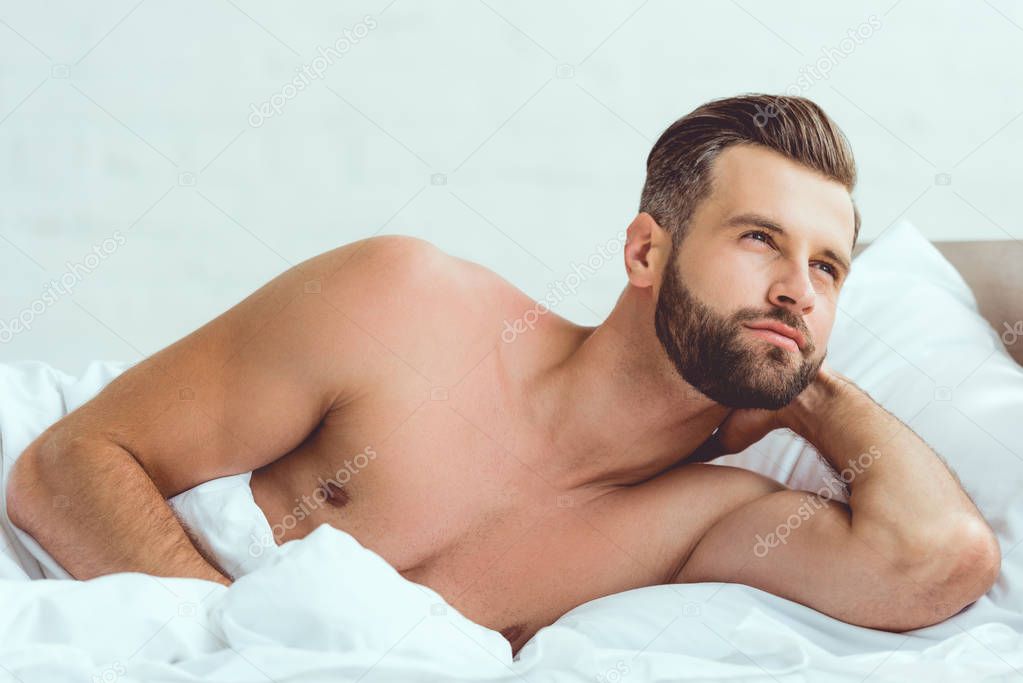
{"x": 434, "y": 469}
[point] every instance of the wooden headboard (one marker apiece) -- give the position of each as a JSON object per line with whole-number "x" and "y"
{"x": 994, "y": 271}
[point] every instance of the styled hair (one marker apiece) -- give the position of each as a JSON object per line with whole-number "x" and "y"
{"x": 678, "y": 168}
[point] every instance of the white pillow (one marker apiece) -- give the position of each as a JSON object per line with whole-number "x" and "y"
{"x": 908, "y": 332}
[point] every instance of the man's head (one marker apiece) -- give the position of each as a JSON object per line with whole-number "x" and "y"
{"x": 745, "y": 218}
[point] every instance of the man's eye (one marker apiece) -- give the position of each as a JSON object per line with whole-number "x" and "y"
{"x": 827, "y": 267}
{"x": 831, "y": 270}
{"x": 767, "y": 238}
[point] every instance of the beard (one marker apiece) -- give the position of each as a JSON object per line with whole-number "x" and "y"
{"x": 717, "y": 357}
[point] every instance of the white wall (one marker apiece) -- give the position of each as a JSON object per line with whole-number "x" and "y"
{"x": 538, "y": 115}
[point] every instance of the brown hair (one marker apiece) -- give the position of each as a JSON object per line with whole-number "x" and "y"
{"x": 679, "y": 165}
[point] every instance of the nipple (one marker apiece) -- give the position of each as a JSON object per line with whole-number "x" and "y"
{"x": 336, "y": 495}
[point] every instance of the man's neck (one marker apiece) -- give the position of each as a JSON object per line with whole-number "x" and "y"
{"x": 617, "y": 410}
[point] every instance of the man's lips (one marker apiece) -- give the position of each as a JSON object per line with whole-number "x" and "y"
{"x": 780, "y": 334}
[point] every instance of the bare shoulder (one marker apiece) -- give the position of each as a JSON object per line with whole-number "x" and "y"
{"x": 389, "y": 266}
{"x": 380, "y": 263}
{"x": 416, "y": 303}
{"x": 678, "y": 507}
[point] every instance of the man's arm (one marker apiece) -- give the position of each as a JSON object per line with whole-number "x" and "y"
{"x": 910, "y": 549}
{"x": 234, "y": 395}
{"x": 90, "y": 504}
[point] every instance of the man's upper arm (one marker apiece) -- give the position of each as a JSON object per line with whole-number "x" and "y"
{"x": 247, "y": 387}
{"x": 801, "y": 546}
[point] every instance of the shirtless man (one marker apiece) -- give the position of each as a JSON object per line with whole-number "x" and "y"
{"x": 520, "y": 477}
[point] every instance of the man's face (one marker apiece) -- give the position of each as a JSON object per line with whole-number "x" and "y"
{"x": 732, "y": 270}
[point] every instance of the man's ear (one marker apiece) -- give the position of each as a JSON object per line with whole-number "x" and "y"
{"x": 647, "y": 250}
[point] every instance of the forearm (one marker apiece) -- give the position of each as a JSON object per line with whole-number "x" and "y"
{"x": 900, "y": 490}
{"x": 95, "y": 511}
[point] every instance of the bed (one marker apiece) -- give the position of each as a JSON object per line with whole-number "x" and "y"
{"x": 911, "y": 331}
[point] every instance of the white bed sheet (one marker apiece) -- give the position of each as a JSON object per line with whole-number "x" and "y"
{"x": 325, "y": 608}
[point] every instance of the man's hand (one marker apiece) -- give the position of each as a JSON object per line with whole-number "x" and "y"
{"x": 743, "y": 427}
{"x": 908, "y": 549}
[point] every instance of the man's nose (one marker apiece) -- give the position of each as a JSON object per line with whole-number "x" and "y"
{"x": 792, "y": 289}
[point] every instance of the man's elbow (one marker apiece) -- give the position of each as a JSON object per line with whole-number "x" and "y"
{"x": 948, "y": 572}
{"x": 978, "y": 561}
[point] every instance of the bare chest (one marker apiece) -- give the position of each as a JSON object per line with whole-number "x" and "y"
{"x": 448, "y": 487}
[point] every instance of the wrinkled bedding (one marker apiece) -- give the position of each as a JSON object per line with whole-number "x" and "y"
{"x": 326, "y": 608}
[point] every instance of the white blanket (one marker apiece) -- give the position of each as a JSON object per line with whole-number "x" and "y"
{"x": 325, "y": 608}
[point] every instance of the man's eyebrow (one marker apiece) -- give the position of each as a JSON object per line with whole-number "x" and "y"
{"x": 767, "y": 224}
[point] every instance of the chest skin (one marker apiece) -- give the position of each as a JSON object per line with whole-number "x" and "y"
{"x": 440, "y": 466}
{"x": 446, "y": 488}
